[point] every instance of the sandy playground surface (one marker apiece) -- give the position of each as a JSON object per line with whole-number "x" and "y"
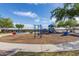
{"x": 46, "y": 39}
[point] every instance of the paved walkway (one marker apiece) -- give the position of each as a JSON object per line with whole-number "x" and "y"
{"x": 41, "y": 47}
{"x": 28, "y": 47}
{"x": 5, "y": 34}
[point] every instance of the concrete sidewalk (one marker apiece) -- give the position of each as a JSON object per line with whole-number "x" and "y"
{"x": 40, "y": 47}
{"x": 28, "y": 47}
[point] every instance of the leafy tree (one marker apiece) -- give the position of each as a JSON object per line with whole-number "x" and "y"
{"x": 58, "y": 13}
{"x": 71, "y": 23}
{"x": 60, "y": 24}
{"x": 6, "y": 23}
{"x": 19, "y": 26}
{"x": 67, "y": 24}
{"x": 69, "y": 11}
{"x": 77, "y": 24}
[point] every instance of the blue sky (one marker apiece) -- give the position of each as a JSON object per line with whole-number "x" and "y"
{"x": 28, "y": 14}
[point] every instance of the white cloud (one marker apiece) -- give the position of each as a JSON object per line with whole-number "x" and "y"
{"x": 37, "y": 20}
{"x": 31, "y": 26}
{"x": 53, "y": 20}
{"x": 28, "y": 26}
{"x": 28, "y": 14}
{"x": 45, "y": 25}
{"x": 44, "y": 21}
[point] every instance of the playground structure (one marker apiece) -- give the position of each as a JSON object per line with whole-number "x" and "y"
{"x": 39, "y": 36}
{"x": 37, "y": 31}
{"x": 51, "y": 29}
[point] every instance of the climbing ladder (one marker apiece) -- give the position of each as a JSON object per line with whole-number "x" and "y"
{"x": 37, "y": 31}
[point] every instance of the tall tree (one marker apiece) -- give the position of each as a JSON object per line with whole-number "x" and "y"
{"x": 67, "y": 24}
{"x": 71, "y": 23}
{"x": 61, "y": 24}
{"x": 6, "y": 23}
{"x": 58, "y": 13}
{"x": 68, "y": 11}
{"x": 19, "y": 26}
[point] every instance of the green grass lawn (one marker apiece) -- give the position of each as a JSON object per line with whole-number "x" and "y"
{"x": 65, "y": 53}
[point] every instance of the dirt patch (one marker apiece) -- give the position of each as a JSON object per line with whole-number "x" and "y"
{"x": 46, "y": 39}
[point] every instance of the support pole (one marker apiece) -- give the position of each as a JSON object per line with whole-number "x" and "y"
{"x": 38, "y": 31}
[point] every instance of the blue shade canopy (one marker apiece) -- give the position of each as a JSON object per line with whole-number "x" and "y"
{"x": 51, "y": 25}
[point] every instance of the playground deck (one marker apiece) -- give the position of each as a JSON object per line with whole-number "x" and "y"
{"x": 46, "y": 39}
